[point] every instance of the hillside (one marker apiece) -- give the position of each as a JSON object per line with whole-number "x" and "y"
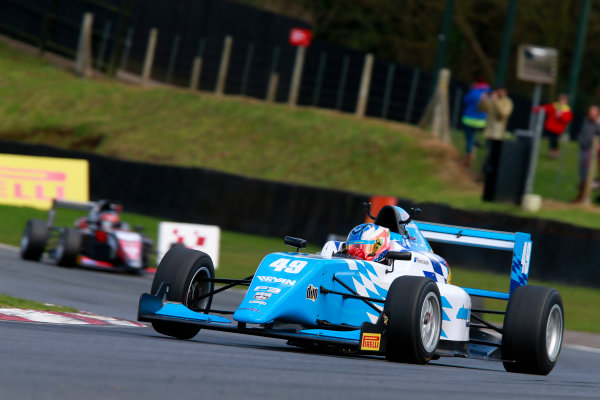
{"x": 43, "y": 104}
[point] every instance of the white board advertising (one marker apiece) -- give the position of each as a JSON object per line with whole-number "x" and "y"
{"x": 205, "y": 238}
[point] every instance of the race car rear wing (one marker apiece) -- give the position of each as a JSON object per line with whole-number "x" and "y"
{"x": 69, "y": 205}
{"x": 519, "y": 243}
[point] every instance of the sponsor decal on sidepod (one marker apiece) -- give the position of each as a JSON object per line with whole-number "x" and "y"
{"x": 370, "y": 341}
{"x": 274, "y": 279}
{"x": 262, "y": 296}
{"x": 262, "y": 303}
{"x": 268, "y": 289}
{"x": 312, "y": 292}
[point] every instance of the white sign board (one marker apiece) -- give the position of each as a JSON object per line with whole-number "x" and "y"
{"x": 537, "y": 64}
{"x": 205, "y": 238}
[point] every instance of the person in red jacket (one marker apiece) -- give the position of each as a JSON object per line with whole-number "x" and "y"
{"x": 558, "y": 116}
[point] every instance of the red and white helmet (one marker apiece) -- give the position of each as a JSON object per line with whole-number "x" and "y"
{"x": 111, "y": 217}
{"x": 369, "y": 242}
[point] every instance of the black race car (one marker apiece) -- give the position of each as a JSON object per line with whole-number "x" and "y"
{"x": 99, "y": 240}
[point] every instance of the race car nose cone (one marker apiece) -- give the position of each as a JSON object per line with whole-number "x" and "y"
{"x": 251, "y": 316}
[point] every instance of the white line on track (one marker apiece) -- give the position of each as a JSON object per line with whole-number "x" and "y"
{"x": 8, "y": 247}
{"x": 582, "y": 348}
{"x": 62, "y": 318}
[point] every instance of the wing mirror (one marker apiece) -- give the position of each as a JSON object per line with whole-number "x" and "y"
{"x": 399, "y": 255}
{"x": 295, "y": 242}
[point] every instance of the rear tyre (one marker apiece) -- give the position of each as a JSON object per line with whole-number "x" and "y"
{"x": 68, "y": 248}
{"x": 34, "y": 238}
{"x": 183, "y": 270}
{"x": 533, "y": 330}
{"x": 414, "y": 312}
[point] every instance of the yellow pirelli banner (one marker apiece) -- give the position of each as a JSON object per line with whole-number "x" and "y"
{"x": 34, "y": 181}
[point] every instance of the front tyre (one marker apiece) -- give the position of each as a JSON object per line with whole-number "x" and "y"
{"x": 185, "y": 271}
{"x": 68, "y": 248}
{"x": 34, "y": 238}
{"x": 533, "y": 330}
{"x": 414, "y": 313}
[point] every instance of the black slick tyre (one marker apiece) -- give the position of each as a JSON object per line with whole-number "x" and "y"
{"x": 533, "y": 330}
{"x": 183, "y": 270}
{"x": 68, "y": 248}
{"x": 34, "y": 238}
{"x": 414, "y": 319}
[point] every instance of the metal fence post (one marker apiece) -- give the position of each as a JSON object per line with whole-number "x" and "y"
{"x": 247, "y": 65}
{"x": 537, "y": 123}
{"x": 149, "y": 59}
{"x": 365, "y": 83}
{"x": 45, "y": 29}
{"x": 197, "y": 66}
{"x": 103, "y": 44}
{"x": 455, "y": 111}
{"x": 319, "y": 81}
{"x": 389, "y": 82}
{"x": 589, "y": 181}
{"x": 273, "y": 81}
{"x": 195, "y": 77}
{"x": 83, "y": 62}
{"x": 172, "y": 58}
{"x": 537, "y": 95}
{"x": 342, "y": 83}
{"x": 127, "y": 49}
{"x": 297, "y": 75}
{"x": 224, "y": 66}
{"x": 411, "y": 95}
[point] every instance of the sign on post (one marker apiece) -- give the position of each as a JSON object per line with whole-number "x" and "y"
{"x": 30, "y": 181}
{"x": 300, "y": 37}
{"x": 205, "y": 238}
{"x": 537, "y": 64}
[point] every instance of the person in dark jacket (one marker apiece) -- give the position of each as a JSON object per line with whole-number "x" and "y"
{"x": 473, "y": 119}
{"x": 589, "y": 128}
{"x": 558, "y": 116}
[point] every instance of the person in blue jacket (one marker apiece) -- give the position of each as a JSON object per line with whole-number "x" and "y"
{"x": 473, "y": 119}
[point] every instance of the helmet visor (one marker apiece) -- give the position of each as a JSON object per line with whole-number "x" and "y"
{"x": 370, "y": 247}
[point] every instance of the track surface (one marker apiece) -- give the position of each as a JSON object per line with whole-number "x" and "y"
{"x": 40, "y": 361}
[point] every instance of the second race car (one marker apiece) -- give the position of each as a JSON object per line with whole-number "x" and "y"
{"x": 99, "y": 240}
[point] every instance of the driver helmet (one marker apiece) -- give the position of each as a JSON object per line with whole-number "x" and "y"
{"x": 369, "y": 242}
{"x": 109, "y": 218}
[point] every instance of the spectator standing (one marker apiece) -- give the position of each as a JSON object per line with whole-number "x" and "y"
{"x": 558, "y": 116}
{"x": 473, "y": 119}
{"x": 498, "y": 107}
{"x": 589, "y": 128}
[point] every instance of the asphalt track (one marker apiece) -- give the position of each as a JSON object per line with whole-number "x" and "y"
{"x": 42, "y": 361}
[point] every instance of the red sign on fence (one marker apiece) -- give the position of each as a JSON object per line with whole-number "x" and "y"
{"x": 300, "y": 37}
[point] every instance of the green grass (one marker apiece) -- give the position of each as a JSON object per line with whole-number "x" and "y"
{"x": 240, "y": 255}
{"x": 43, "y": 104}
{"x": 15, "y": 302}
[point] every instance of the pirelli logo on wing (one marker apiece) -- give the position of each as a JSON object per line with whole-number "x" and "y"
{"x": 370, "y": 341}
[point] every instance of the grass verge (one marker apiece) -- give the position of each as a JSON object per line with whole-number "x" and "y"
{"x": 15, "y": 302}
{"x": 240, "y": 255}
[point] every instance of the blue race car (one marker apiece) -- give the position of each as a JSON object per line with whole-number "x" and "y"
{"x": 383, "y": 291}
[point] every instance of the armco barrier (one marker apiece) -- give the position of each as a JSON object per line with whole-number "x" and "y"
{"x": 561, "y": 252}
